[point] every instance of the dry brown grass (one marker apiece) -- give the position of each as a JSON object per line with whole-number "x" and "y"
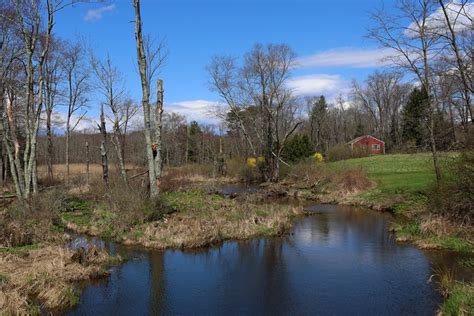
{"x": 44, "y": 275}
{"x": 79, "y": 169}
{"x": 191, "y": 219}
{"x": 229, "y": 222}
{"x": 351, "y": 180}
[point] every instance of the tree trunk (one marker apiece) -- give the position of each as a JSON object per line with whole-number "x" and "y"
{"x": 103, "y": 149}
{"x": 67, "y": 152}
{"x": 158, "y": 126}
{"x": 87, "y": 163}
{"x": 142, "y": 65}
{"x": 50, "y": 148}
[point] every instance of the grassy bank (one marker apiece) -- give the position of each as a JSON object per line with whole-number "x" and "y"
{"x": 404, "y": 185}
{"x": 191, "y": 219}
{"x": 36, "y": 267}
{"x": 45, "y": 274}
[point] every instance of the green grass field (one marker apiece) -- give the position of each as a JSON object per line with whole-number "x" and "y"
{"x": 396, "y": 175}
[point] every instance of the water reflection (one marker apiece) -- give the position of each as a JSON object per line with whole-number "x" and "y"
{"x": 340, "y": 261}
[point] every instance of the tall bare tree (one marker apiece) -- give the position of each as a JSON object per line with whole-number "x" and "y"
{"x": 152, "y": 115}
{"x": 52, "y": 75}
{"x": 35, "y": 34}
{"x": 414, "y": 47}
{"x": 456, "y": 23}
{"x": 77, "y": 86}
{"x": 110, "y": 83}
{"x": 259, "y": 85}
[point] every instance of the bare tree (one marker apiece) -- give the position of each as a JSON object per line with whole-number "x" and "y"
{"x": 27, "y": 18}
{"x": 259, "y": 85}
{"x": 52, "y": 75}
{"x": 152, "y": 116}
{"x": 77, "y": 87}
{"x": 414, "y": 47}
{"x": 110, "y": 83}
{"x": 382, "y": 97}
{"x": 456, "y": 23}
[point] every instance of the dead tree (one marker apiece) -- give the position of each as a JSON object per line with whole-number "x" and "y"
{"x": 77, "y": 87}
{"x": 103, "y": 148}
{"x": 110, "y": 84}
{"x": 152, "y": 119}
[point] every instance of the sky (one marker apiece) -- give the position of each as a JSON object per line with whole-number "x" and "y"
{"x": 329, "y": 38}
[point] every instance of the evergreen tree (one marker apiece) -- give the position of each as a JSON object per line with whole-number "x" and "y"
{"x": 298, "y": 147}
{"x": 318, "y": 118}
{"x": 194, "y": 136}
{"x": 414, "y": 115}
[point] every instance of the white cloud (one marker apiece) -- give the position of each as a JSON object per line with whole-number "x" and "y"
{"x": 58, "y": 120}
{"x": 93, "y": 15}
{"x": 436, "y": 22}
{"x": 318, "y": 84}
{"x": 202, "y": 111}
{"x": 346, "y": 57}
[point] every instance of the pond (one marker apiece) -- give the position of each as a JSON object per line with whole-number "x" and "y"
{"x": 342, "y": 260}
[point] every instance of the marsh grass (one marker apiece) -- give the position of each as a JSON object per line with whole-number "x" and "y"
{"x": 459, "y": 296}
{"x": 45, "y": 274}
{"x": 190, "y": 219}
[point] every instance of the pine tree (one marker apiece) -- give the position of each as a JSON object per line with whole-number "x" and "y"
{"x": 194, "y": 141}
{"x": 414, "y": 115}
{"x": 318, "y": 118}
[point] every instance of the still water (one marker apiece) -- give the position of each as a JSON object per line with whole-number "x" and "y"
{"x": 340, "y": 261}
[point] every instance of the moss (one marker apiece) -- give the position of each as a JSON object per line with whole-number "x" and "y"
{"x": 460, "y": 300}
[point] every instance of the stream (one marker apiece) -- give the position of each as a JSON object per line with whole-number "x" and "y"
{"x": 341, "y": 260}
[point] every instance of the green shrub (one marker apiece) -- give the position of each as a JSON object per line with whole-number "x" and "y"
{"x": 454, "y": 196}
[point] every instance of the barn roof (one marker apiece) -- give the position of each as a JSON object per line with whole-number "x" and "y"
{"x": 355, "y": 140}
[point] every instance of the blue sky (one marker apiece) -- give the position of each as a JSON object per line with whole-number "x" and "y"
{"x": 328, "y": 37}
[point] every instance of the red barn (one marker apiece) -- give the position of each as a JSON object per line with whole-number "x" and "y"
{"x": 374, "y": 146}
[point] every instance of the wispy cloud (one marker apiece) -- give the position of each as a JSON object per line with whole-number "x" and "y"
{"x": 318, "y": 84}
{"x": 345, "y": 57}
{"x": 93, "y": 15}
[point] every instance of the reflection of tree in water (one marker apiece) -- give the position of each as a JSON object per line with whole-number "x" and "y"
{"x": 157, "y": 281}
{"x": 322, "y": 222}
{"x": 275, "y": 279}
{"x": 362, "y": 227}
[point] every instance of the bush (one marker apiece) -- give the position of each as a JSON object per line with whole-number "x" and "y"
{"x": 454, "y": 196}
{"x": 31, "y": 222}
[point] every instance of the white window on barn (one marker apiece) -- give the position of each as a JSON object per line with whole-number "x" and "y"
{"x": 375, "y": 147}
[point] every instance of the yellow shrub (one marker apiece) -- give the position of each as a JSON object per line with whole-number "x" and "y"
{"x": 318, "y": 157}
{"x": 251, "y": 162}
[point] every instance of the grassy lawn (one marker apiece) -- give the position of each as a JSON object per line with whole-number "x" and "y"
{"x": 395, "y": 174}
{"x": 401, "y": 178}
